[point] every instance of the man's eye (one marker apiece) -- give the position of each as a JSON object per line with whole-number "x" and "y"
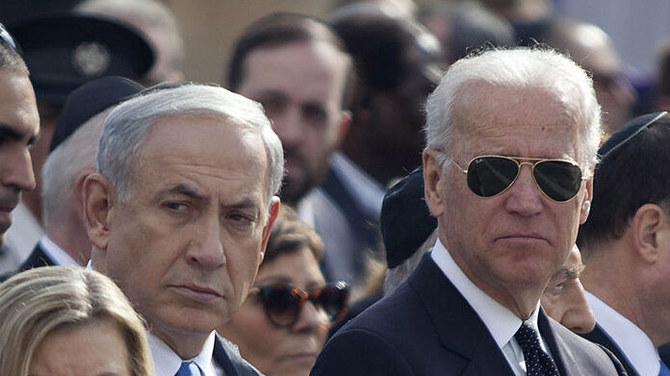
{"x": 176, "y": 206}
{"x": 273, "y": 106}
{"x": 315, "y": 115}
{"x": 240, "y": 219}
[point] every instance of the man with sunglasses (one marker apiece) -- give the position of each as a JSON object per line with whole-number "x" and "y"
{"x": 19, "y": 127}
{"x": 626, "y": 245}
{"x": 511, "y": 143}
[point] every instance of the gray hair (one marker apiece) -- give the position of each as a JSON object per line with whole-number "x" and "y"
{"x": 125, "y": 129}
{"x": 517, "y": 67}
{"x": 64, "y": 164}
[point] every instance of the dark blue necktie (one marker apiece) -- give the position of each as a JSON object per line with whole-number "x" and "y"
{"x": 188, "y": 369}
{"x": 664, "y": 369}
{"x": 538, "y": 362}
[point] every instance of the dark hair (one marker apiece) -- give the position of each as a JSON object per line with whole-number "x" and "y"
{"x": 279, "y": 29}
{"x": 378, "y": 44}
{"x": 289, "y": 234}
{"x": 636, "y": 173}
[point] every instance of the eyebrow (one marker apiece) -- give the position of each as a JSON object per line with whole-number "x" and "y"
{"x": 572, "y": 272}
{"x": 183, "y": 189}
{"x": 14, "y": 134}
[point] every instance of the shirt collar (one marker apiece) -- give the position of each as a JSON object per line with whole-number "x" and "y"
{"x": 500, "y": 321}
{"x": 56, "y": 253}
{"x": 632, "y": 341}
{"x": 167, "y": 362}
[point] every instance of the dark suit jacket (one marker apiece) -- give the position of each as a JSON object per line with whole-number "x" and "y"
{"x": 347, "y": 228}
{"x": 36, "y": 259}
{"x": 426, "y": 327}
{"x": 598, "y": 335}
{"x": 228, "y": 358}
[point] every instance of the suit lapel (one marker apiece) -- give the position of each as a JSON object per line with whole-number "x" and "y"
{"x": 599, "y": 336}
{"x": 459, "y": 327}
{"x": 222, "y": 359}
{"x": 557, "y": 347}
{"x": 36, "y": 259}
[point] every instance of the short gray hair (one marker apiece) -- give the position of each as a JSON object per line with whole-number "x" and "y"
{"x": 126, "y": 127}
{"x": 64, "y": 164}
{"x": 516, "y": 67}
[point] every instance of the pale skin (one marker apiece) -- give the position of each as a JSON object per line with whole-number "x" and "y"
{"x": 564, "y": 299}
{"x": 97, "y": 348}
{"x": 278, "y": 351}
{"x": 19, "y": 129}
{"x": 509, "y": 245}
{"x": 301, "y": 85}
{"x": 630, "y": 274}
{"x": 186, "y": 246}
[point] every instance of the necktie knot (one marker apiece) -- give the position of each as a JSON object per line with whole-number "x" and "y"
{"x": 538, "y": 362}
{"x": 188, "y": 369}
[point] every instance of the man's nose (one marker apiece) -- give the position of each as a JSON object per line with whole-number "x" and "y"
{"x": 206, "y": 249}
{"x": 17, "y": 170}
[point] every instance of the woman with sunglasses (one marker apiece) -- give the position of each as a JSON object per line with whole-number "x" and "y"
{"x": 283, "y": 324}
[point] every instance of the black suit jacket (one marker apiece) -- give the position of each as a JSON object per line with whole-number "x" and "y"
{"x": 36, "y": 259}
{"x": 426, "y": 327}
{"x": 227, "y": 356}
{"x": 599, "y": 336}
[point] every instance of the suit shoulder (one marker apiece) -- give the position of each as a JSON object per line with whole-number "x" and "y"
{"x": 227, "y": 355}
{"x": 580, "y": 352}
{"x": 358, "y": 351}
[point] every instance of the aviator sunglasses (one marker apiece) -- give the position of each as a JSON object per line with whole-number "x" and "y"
{"x": 283, "y": 304}
{"x": 490, "y": 175}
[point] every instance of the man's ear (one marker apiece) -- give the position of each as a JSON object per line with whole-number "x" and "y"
{"x": 98, "y": 196}
{"x": 586, "y": 204}
{"x": 649, "y": 224}
{"x": 78, "y": 194}
{"x": 345, "y": 123}
{"x": 432, "y": 177}
{"x": 272, "y": 215}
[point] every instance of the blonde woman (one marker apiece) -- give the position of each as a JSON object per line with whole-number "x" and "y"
{"x": 69, "y": 320}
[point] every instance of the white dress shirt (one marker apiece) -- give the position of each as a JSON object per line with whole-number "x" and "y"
{"x": 631, "y": 340}
{"x": 56, "y": 253}
{"x": 500, "y": 321}
{"x": 167, "y": 362}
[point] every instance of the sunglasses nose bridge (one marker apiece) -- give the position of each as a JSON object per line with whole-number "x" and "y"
{"x": 518, "y": 177}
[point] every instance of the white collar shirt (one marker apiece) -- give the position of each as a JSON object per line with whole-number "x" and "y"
{"x": 500, "y": 321}
{"x": 167, "y": 362}
{"x": 631, "y": 340}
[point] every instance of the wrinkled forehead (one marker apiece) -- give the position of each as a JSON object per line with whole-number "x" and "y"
{"x": 480, "y": 105}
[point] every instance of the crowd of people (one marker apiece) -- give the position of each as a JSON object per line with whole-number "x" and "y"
{"x": 470, "y": 188}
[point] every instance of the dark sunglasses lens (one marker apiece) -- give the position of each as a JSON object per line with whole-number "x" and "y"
{"x": 488, "y": 176}
{"x": 559, "y": 180}
{"x": 283, "y": 306}
{"x": 333, "y": 301}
